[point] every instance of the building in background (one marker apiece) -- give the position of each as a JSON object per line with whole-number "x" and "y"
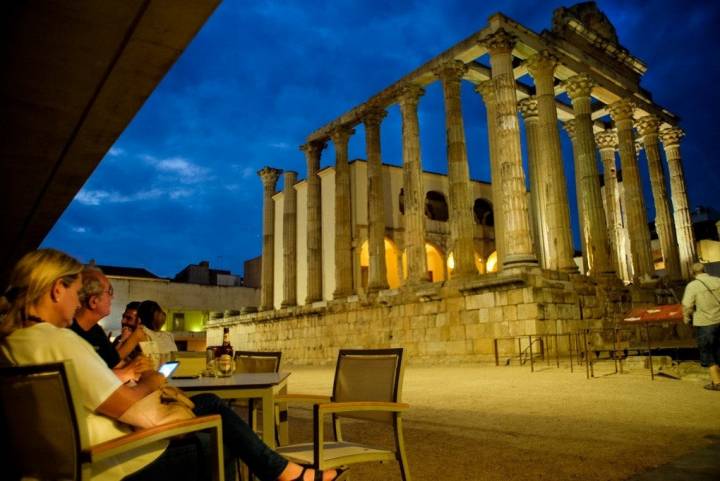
{"x": 196, "y": 295}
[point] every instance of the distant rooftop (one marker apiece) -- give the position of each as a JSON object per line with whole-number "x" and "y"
{"x": 118, "y": 271}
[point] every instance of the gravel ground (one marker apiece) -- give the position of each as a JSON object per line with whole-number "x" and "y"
{"x": 481, "y": 422}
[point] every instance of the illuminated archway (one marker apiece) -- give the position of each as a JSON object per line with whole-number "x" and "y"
{"x": 434, "y": 259}
{"x": 391, "y": 256}
{"x": 480, "y": 264}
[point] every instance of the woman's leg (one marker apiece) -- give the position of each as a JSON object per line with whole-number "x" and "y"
{"x": 239, "y": 440}
{"x": 183, "y": 459}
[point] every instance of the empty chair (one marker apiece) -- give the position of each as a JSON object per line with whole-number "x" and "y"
{"x": 41, "y": 408}
{"x": 367, "y": 387}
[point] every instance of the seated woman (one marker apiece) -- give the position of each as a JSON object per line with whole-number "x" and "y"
{"x": 39, "y": 303}
{"x": 151, "y": 319}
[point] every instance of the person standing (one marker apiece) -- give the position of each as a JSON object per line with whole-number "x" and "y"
{"x": 701, "y": 307}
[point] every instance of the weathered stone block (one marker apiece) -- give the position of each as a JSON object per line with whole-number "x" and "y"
{"x": 527, "y": 311}
{"x": 510, "y": 313}
{"x": 477, "y": 301}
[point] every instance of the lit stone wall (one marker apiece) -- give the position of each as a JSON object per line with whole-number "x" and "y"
{"x": 439, "y": 324}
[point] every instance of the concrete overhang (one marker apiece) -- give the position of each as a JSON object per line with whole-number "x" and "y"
{"x": 75, "y": 74}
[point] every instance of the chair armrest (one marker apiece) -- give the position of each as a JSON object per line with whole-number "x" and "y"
{"x": 147, "y": 436}
{"x": 343, "y": 407}
{"x": 302, "y": 398}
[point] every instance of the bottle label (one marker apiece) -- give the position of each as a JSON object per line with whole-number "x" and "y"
{"x": 225, "y": 365}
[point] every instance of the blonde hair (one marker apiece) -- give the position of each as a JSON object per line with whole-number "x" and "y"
{"x": 32, "y": 277}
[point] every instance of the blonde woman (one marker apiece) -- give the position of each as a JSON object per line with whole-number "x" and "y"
{"x": 34, "y": 311}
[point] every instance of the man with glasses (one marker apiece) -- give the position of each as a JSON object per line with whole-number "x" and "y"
{"x": 96, "y": 297}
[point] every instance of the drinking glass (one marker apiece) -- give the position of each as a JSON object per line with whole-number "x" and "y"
{"x": 209, "y": 362}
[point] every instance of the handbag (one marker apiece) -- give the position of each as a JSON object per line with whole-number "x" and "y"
{"x": 162, "y": 406}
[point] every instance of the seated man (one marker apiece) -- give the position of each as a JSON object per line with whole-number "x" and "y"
{"x": 128, "y": 322}
{"x": 95, "y": 302}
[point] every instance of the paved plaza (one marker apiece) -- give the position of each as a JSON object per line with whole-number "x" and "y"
{"x": 481, "y": 422}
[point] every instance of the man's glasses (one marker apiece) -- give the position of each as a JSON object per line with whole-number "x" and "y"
{"x": 110, "y": 291}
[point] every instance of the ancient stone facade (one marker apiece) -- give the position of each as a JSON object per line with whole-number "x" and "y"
{"x": 538, "y": 287}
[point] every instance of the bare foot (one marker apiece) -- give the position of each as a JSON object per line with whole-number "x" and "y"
{"x": 293, "y": 471}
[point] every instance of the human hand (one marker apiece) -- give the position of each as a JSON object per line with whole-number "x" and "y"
{"x": 139, "y": 335}
{"x": 152, "y": 379}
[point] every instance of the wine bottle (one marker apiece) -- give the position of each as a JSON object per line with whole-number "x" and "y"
{"x": 225, "y": 361}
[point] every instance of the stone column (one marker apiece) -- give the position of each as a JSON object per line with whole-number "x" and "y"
{"x": 683, "y": 224}
{"x": 516, "y": 231}
{"x": 289, "y": 240}
{"x": 569, "y": 126}
{"x": 487, "y": 91}
{"x": 377, "y": 270}
{"x": 269, "y": 177}
{"x": 607, "y": 143}
{"x": 413, "y": 185}
{"x": 648, "y": 127}
{"x": 343, "y": 215}
{"x": 461, "y": 202}
{"x": 538, "y": 221}
{"x": 636, "y": 215}
{"x": 587, "y": 179}
{"x": 313, "y": 150}
{"x": 553, "y": 197}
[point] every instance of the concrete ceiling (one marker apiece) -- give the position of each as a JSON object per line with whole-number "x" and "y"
{"x": 74, "y": 75}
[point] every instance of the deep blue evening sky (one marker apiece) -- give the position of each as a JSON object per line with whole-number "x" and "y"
{"x": 180, "y": 184}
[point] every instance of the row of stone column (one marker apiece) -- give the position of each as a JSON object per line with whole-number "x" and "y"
{"x": 549, "y": 203}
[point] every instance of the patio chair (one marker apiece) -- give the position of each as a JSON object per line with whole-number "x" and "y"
{"x": 367, "y": 387}
{"x": 252, "y": 362}
{"x": 45, "y": 436}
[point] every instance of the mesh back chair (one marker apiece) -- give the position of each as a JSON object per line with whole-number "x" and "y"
{"x": 255, "y": 362}
{"x": 367, "y": 387}
{"x": 46, "y": 438}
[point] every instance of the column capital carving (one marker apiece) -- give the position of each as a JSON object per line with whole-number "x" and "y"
{"x": 269, "y": 176}
{"x": 314, "y": 147}
{"x": 499, "y": 42}
{"x": 486, "y": 89}
{"x": 542, "y": 62}
{"x": 622, "y": 109}
{"x": 452, "y": 70}
{"x": 607, "y": 139}
{"x": 648, "y": 124}
{"x": 671, "y": 136}
{"x": 410, "y": 94}
{"x": 569, "y": 126}
{"x": 578, "y": 86}
{"x": 528, "y": 108}
{"x": 341, "y": 135}
{"x": 374, "y": 116}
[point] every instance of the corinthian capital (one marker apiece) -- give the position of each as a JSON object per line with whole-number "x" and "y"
{"x": 579, "y": 86}
{"x": 622, "y": 110}
{"x": 647, "y": 125}
{"x": 569, "y": 127}
{"x": 313, "y": 148}
{"x": 451, "y": 71}
{"x": 541, "y": 63}
{"x": 269, "y": 177}
{"x": 499, "y": 42}
{"x": 374, "y": 116}
{"x": 606, "y": 139}
{"x": 486, "y": 90}
{"x": 671, "y": 136}
{"x": 410, "y": 94}
{"x": 341, "y": 135}
{"x": 528, "y": 108}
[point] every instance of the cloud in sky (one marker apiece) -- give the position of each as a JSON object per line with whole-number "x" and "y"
{"x": 180, "y": 183}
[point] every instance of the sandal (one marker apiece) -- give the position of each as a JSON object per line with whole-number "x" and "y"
{"x": 713, "y": 387}
{"x": 319, "y": 474}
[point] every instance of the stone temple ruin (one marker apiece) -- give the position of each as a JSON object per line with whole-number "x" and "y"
{"x": 361, "y": 254}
